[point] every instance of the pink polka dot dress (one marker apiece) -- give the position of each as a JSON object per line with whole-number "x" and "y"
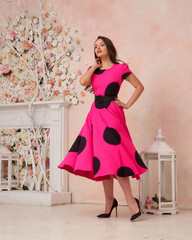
{"x": 104, "y": 146}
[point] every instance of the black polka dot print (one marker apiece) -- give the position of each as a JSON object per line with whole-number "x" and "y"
{"x": 125, "y": 172}
{"x": 139, "y": 160}
{"x": 111, "y": 90}
{"x": 78, "y": 145}
{"x": 111, "y": 136}
{"x": 96, "y": 165}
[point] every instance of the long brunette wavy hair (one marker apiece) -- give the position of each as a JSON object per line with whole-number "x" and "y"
{"x": 112, "y": 54}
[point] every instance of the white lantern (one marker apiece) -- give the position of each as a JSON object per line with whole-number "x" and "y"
{"x": 158, "y": 187}
{"x": 8, "y": 169}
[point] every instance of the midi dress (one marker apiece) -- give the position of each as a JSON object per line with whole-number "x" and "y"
{"x": 103, "y": 146}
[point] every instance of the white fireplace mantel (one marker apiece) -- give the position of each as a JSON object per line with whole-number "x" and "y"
{"x": 47, "y": 114}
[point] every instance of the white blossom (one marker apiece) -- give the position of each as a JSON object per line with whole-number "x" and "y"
{"x": 66, "y": 64}
{"x": 47, "y": 55}
{"x": 7, "y": 36}
{"x": 76, "y": 57}
{"x": 49, "y": 39}
{"x": 22, "y": 39}
{"x": 48, "y": 26}
{"x": 55, "y": 68}
{"x": 54, "y": 51}
{"x": 68, "y": 39}
{"x": 51, "y": 32}
{"x": 71, "y": 48}
{"x": 35, "y": 20}
{"x": 52, "y": 59}
{"x": 6, "y": 24}
{"x": 54, "y": 43}
{"x": 67, "y": 97}
{"x": 73, "y": 75}
{"x": 63, "y": 21}
{"x": 66, "y": 29}
{"x": 74, "y": 100}
{"x": 15, "y": 23}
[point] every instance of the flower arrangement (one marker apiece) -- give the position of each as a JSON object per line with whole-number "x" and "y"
{"x": 37, "y": 53}
{"x": 23, "y": 141}
{"x": 38, "y": 59}
{"x": 153, "y": 203}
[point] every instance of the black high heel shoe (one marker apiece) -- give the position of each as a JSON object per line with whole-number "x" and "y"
{"x": 136, "y": 215}
{"x": 106, "y": 215}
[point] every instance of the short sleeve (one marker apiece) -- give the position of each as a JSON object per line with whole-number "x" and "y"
{"x": 125, "y": 71}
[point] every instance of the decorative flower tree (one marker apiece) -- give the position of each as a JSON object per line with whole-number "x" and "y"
{"x": 37, "y": 58}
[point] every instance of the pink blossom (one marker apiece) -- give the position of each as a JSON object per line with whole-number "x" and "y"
{"x": 41, "y": 99}
{"x": 33, "y": 47}
{"x": 47, "y": 162}
{"x": 47, "y": 133}
{"x": 5, "y": 69}
{"x": 55, "y": 92}
{"x": 31, "y": 172}
{"x": 49, "y": 46}
{"x": 58, "y": 28}
{"x": 35, "y": 143}
{"x": 27, "y": 91}
{"x": 65, "y": 92}
{"x": 13, "y": 33}
{"x": 22, "y": 84}
{"x": 26, "y": 45}
{"x": 150, "y": 201}
{"x": 14, "y": 100}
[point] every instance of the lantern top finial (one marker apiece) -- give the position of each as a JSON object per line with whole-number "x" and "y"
{"x": 159, "y": 145}
{"x": 159, "y": 136}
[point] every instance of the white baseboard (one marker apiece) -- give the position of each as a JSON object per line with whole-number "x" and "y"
{"x": 35, "y": 197}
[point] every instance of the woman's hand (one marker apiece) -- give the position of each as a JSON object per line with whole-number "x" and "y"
{"x": 121, "y": 104}
{"x": 97, "y": 63}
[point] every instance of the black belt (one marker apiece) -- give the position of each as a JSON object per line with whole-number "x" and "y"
{"x": 101, "y": 99}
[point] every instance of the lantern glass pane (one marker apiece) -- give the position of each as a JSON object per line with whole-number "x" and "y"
{"x": 153, "y": 179}
{"x": 166, "y": 181}
{"x": 14, "y": 173}
{"x": 4, "y": 172}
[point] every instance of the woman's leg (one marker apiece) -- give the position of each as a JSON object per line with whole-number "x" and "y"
{"x": 126, "y": 186}
{"x": 108, "y": 189}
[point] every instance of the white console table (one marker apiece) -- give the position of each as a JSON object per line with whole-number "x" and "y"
{"x": 48, "y": 114}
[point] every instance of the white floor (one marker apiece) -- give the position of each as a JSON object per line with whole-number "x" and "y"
{"x": 79, "y": 222}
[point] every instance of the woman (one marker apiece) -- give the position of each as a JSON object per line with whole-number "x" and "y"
{"x": 103, "y": 149}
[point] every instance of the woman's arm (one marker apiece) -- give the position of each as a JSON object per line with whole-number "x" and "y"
{"x": 138, "y": 90}
{"x": 85, "y": 80}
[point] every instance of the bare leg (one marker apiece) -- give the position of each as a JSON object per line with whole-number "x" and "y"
{"x": 126, "y": 186}
{"x": 108, "y": 189}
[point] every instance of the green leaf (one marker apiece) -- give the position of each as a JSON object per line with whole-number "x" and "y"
{"x": 25, "y": 187}
{"x": 23, "y": 164}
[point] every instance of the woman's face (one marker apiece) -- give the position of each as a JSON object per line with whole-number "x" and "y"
{"x": 100, "y": 48}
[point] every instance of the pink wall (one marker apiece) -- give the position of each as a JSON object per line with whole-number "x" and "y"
{"x": 154, "y": 38}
